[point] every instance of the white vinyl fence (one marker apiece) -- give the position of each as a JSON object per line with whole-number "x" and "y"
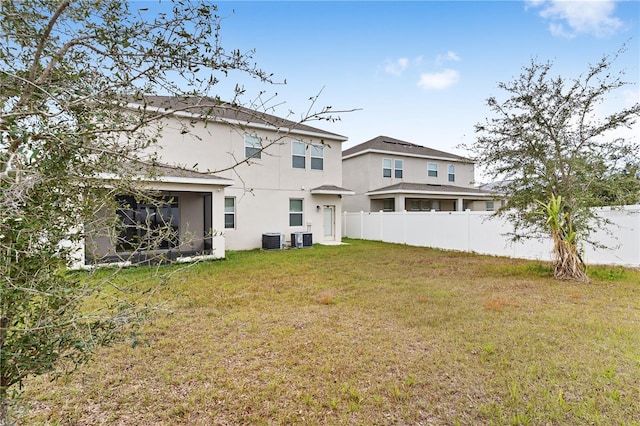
{"x": 481, "y": 232}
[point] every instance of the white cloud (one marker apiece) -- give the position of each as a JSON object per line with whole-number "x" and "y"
{"x": 570, "y": 18}
{"x": 449, "y": 56}
{"x": 396, "y": 67}
{"x": 439, "y": 80}
{"x": 558, "y": 30}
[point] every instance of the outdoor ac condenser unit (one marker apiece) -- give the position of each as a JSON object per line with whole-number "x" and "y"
{"x": 272, "y": 241}
{"x": 301, "y": 239}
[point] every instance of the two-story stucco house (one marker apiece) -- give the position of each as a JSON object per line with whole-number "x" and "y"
{"x": 262, "y": 175}
{"x": 392, "y": 175}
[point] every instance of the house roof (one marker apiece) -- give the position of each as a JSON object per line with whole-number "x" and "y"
{"x": 429, "y": 189}
{"x": 332, "y": 190}
{"x": 169, "y": 174}
{"x": 176, "y": 174}
{"x": 496, "y": 187}
{"x": 200, "y": 107}
{"x": 387, "y": 145}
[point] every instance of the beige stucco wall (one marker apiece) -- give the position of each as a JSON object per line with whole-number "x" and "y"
{"x": 356, "y": 173}
{"x": 266, "y": 211}
{"x": 262, "y": 186}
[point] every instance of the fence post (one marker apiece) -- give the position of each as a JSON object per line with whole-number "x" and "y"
{"x": 404, "y": 227}
{"x": 468, "y": 212}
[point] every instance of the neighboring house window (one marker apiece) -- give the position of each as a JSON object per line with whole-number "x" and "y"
{"x": 435, "y": 205}
{"x": 295, "y": 212}
{"x": 317, "y": 157}
{"x": 490, "y": 206}
{"x": 432, "y": 170}
{"x": 229, "y": 212}
{"x": 417, "y": 204}
{"x": 298, "y": 151}
{"x": 452, "y": 173}
{"x": 252, "y": 146}
{"x": 148, "y": 225}
{"x": 386, "y": 167}
{"x": 398, "y": 168}
{"x": 388, "y": 204}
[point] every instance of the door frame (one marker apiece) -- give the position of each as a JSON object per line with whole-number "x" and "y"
{"x": 331, "y": 209}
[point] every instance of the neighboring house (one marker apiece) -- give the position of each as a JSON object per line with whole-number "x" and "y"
{"x": 268, "y": 175}
{"x": 392, "y": 175}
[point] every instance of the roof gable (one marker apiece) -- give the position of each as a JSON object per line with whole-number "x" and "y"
{"x": 385, "y": 144}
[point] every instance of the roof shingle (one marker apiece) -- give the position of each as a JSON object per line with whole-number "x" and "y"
{"x": 426, "y": 187}
{"x": 387, "y": 144}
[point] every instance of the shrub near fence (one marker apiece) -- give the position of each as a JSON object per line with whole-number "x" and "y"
{"x": 484, "y": 233}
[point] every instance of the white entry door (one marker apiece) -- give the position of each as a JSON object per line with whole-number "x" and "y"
{"x": 329, "y": 222}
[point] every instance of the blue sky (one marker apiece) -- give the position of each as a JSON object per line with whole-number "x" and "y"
{"x": 420, "y": 71}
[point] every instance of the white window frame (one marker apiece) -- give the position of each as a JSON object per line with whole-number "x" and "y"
{"x": 386, "y": 168}
{"x": 296, "y": 213}
{"x": 296, "y": 155}
{"x": 397, "y": 169}
{"x": 451, "y": 173}
{"x": 252, "y": 146}
{"x": 317, "y": 154}
{"x": 231, "y": 212}
{"x": 432, "y": 170}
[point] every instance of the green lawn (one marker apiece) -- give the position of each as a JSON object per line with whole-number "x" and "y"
{"x": 366, "y": 334}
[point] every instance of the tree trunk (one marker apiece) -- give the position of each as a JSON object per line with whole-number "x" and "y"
{"x": 568, "y": 263}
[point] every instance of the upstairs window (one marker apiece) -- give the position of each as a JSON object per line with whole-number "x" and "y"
{"x": 298, "y": 153}
{"x": 295, "y": 212}
{"x": 252, "y": 146}
{"x": 398, "y": 166}
{"x": 432, "y": 170}
{"x": 229, "y": 212}
{"x": 452, "y": 173}
{"x": 386, "y": 167}
{"x": 317, "y": 157}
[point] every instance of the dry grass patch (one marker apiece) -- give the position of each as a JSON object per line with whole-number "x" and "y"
{"x": 500, "y": 303}
{"x": 327, "y": 297}
{"x": 367, "y": 333}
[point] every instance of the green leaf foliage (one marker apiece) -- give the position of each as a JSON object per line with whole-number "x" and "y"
{"x": 67, "y": 72}
{"x": 548, "y": 140}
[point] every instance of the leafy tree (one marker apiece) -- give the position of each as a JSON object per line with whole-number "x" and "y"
{"x": 67, "y": 71}
{"x": 557, "y": 157}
